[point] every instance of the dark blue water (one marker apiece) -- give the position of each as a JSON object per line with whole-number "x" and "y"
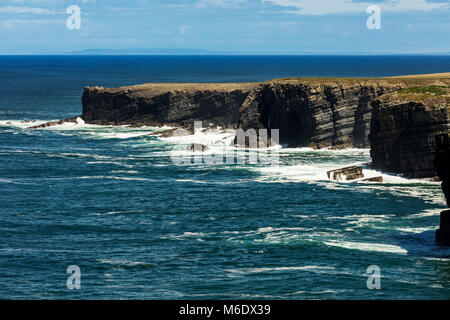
{"x": 112, "y": 201}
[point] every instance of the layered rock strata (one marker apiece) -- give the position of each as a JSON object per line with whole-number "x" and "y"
{"x": 308, "y": 112}
{"x": 316, "y": 113}
{"x": 166, "y": 104}
{"x": 319, "y": 114}
{"x": 442, "y": 163}
{"x": 402, "y": 137}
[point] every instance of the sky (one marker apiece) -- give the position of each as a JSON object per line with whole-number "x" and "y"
{"x": 226, "y": 26}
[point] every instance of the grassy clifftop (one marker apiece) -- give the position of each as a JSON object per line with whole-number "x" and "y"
{"x": 432, "y": 95}
{"x": 405, "y": 81}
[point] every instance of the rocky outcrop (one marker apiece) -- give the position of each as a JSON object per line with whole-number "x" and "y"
{"x": 197, "y": 147}
{"x": 166, "y": 104}
{"x": 77, "y": 120}
{"x": 378, "y": 179}
{"x": 350, "y": 173}
{"x": 442, "y": 161}
{"x": 353, "y": 173}
{"x": 402, "y": 138}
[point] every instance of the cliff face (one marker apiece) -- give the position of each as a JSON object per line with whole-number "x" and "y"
{"x": 317, "y": 114}
{"x": 330, "y": 113}
{"x": 403, "y": 130}
{"x": 403, "y": 137}
{"x": 441, "y": 162}
{"x": 309, "y": 112}
{"x": 165, "y": 104}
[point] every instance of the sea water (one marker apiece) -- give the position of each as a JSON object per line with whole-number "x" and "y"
{"x": 112, "y": 201}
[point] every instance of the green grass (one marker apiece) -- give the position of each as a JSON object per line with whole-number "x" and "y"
{"x": 429, "y": 90}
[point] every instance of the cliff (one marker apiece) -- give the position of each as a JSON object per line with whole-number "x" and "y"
{"x": 442, "y": 160}
{"x": 403, "y": 130}
{"x": 166, "y": 104}
{"x": 316, "y": 113}
{"x": 313, "y": 112}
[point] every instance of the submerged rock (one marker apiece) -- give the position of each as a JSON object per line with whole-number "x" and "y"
{"x": 374, "y": 179}
{"x": 197, "y": 147}
{"x": 349, "y": 173}
{"x": 175, "y": 132}
{"x": 77, "y": 120}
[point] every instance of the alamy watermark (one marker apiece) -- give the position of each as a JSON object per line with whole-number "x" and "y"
{"x": 73, "y": 22}
{"x": 248, "y": 147}
{"x": 374, "y": 21}
{"x": 74, "y": 280}
{"x": 374, "y": 277}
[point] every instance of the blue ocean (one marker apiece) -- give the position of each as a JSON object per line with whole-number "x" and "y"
{"x": 111, "y": 201}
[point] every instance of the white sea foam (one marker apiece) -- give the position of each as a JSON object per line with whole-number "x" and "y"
{"x": 187, "y": 235}
{"x": 118, "y": 163}
{"x": 22, "y": 124}
{"x": 270, "y": 229}
{"x": 377, "y": 247}
{"x": 245, "y": 271}
{"x": 204, "y": 137}
{"x": 106, "y": 177}
{"x": 9, "y": 181}
{"x": 121, "y": 263}
{"x": 425, "y": 213}
{"x": 90, "y": 130}
{"x": 191, "y": 180}
{"x": 124, "y": 171}
{"x": 416, "y": 230}
{"x": 294, "y": 173}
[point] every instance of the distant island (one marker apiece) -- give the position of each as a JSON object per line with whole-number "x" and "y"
{"x": 204, "y": 52}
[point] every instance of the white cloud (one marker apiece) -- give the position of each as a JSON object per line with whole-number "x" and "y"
{"x": 316, "y": 7}
{"x": 12, "y": 9}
